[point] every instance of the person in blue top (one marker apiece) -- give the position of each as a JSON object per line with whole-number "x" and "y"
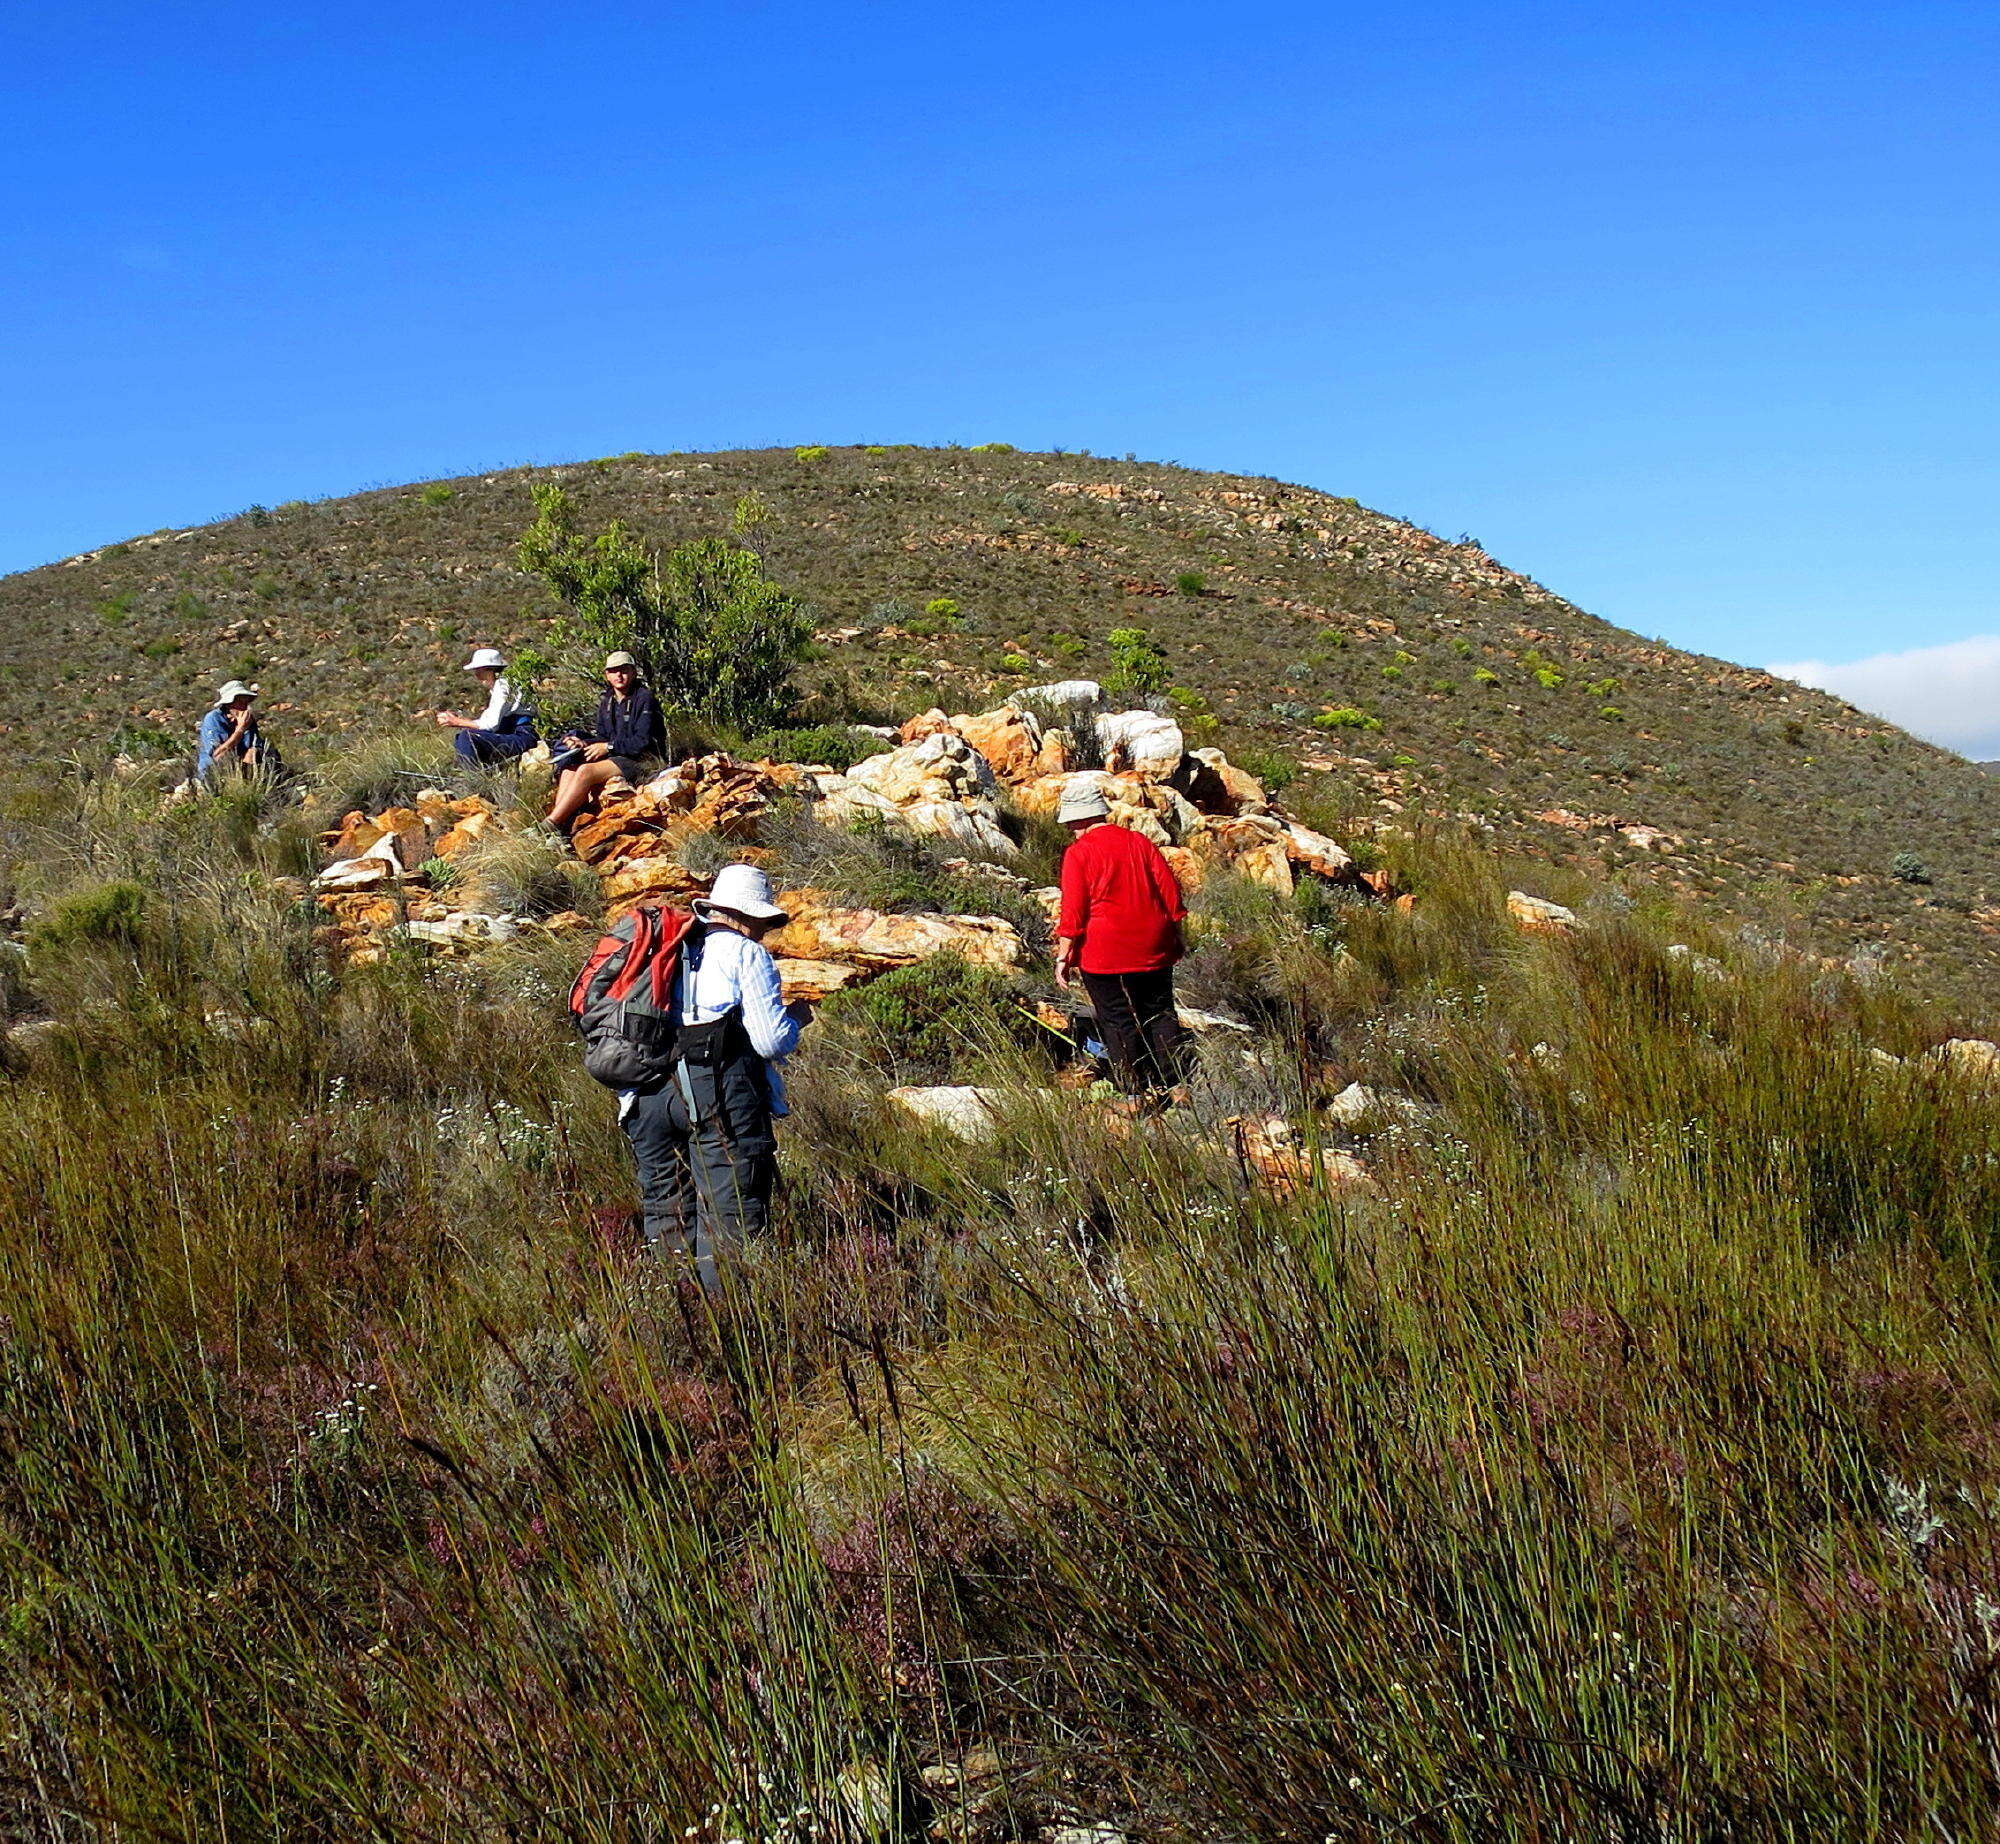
{"x": 706, "y": 1146}
{"x": 228, "y": 740}
{"x": 505, "y": 728}
{"x": 627, "y": 743}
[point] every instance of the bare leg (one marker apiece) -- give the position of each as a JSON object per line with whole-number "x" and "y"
{"x": 578, "y": 789}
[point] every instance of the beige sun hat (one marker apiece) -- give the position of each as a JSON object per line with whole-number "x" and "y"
{"x": 619, "y": 659}
{"x": 487, "y": 657}
{"x": 233, "y": 690}
{"x": 743, "y": 890}
{"x": 1082, "y": 800}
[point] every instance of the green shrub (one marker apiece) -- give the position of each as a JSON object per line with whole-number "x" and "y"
{"x": 116, "y": 609}
{"x": 919, "y": 1020}
{"x": 162, "y": 648}
{"x": 994, "y": 448}
{"x": 1485, "y": 675}
{"x": 1277, "y": 772}
{"x": 1908, "y": 868}
{"x": 817, "y": 453}
{"x": 1191, "y": 582}
{"x": 1346, "y": 717}
{"x": 437, "y": 494}
{"x": 112, "y": 914}
{"x": 1138, "y": 662}
{"x": 1016, "y": 662}
{"x": 836, "y": 746}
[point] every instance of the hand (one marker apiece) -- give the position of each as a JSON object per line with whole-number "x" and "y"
{"x": 596, "y": 752}
{"x": 1065, "y": 961}
{"x": 442, "y": 717}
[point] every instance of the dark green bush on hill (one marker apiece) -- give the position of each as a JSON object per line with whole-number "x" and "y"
{"x": 917, "y": 1021}
{"x": 713, "y": 634}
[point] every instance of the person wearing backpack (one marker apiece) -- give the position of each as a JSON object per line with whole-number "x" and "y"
{"x": 684, "y": 1015}
{"x": 505, "y": 728}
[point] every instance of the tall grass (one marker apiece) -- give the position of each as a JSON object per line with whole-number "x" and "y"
{"x": 1624, "y": 1464}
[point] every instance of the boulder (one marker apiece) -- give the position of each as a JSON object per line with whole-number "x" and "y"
{"x": 352, "y": 837}
{"x": 1063, "y": 691}
{"x": 1538, "y": 915}
{"x": 925, "y": 723}
{"x": 461, "y": 838}
{"x": 964, "y": 1113}
{"x": 1254, "y": 846}
{"x": 974, "y": 828}
{"x": 1215, "y": 785}
{"x": 1151, "y": 807}
{"x": 1009, "y": 740}
{"x": 622, "y": 829}
{"x": 1361, "y": 1109}
{"x": 985, "y": 872}
{"x": 373, "y": 867}
{"x": 651, "y": 880}
{"x": 1043, "y": 795}
{"x": 461, "y": 928}
{"x": 1186, "y": 867}
{"x": 814, "y": 980}
{"x": 870, "y": 938}
{"x": 1057, "y": 755}
{"x": 1142, "y": 741}
{"x": 913, "y": 772}
{"x": 1973, "y": 1057}
{"x": 1315, "y": 852}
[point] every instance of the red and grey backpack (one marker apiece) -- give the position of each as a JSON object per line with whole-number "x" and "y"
{"x": 622, "y": 1001}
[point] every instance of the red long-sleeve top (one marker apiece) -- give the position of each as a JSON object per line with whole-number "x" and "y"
{"x": 1121, "y": 897}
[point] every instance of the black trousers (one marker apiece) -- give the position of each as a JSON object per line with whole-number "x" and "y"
{"x": 706, "y": 1172}
{"x": 1142, "y": 1035}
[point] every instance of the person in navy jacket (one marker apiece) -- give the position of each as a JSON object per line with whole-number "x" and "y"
{"x": 628, "y": 743}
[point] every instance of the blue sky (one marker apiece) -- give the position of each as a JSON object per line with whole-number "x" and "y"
{"x": 1689, "y": 312}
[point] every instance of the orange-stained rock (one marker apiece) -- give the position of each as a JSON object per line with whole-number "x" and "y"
{"x": 814, "y": 980}
{"x": 1314, "y": 851}
{"x": 620, "y": 826}
{"x": 565, "y": 922}
{"x": 1010, "y": 740}
{"x": 1539, "y": 916}
{"x": 1041, "y": 795}
{"x": 652, "y": 880}
{"x": 1215, "y": 785}
{"x": 463, "y": 836}
{"x": 925, "y": 723}
{"x": 869, "y": 938}
{"x": 351, "y": 838}
{"x": 1187, "y": 868}
{"x": 361, "y": 911}
{"x": 1056, "y": 755}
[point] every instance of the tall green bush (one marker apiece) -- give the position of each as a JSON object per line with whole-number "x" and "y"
{"x": 713, "y": 634}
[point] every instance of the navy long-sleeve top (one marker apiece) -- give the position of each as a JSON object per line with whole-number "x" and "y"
{"x": 632, "y": 725}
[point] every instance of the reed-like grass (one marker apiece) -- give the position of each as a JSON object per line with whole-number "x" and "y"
{"x": 1623, "y": 1465}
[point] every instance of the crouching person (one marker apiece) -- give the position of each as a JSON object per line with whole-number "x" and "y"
{"x": 229, "y": 740}
{"x": 701, "y": 1122}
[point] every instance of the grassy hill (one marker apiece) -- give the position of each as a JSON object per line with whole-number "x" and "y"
{"x": 1277, "y": 606}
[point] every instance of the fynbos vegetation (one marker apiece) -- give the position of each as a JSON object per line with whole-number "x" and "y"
{"x": 1607, "y": 1446}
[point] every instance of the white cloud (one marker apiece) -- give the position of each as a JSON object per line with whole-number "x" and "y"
{"x": 1948, "y": 694}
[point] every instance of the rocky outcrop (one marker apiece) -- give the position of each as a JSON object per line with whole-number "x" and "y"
{"x": 869, "y": 938}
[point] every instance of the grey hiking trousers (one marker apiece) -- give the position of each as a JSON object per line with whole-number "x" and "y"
{"x": 705, "y": 1174}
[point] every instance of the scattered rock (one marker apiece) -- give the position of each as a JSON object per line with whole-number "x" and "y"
{"x": 1361, "y": 1109}
{"x": 1972, "y": 1057}
{"x": 965, "y": 1113}
{"x": 462, "y": 927}
{"x": 1539, "y": 916}
{"x": 657, "y": 879}
{"x": 370, "y": 869}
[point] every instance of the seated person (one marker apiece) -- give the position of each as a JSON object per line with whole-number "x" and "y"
{"x": 629, "y": 742}
{"x": 228, "y": 741}
{"x": 505, "y": 729}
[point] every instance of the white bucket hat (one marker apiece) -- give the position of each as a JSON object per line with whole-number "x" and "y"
{"x": 743, "y": 890}
{"x": 1083, "y": 799}
{"x": 233, "y": 690}
{"x": 485, "y": 656}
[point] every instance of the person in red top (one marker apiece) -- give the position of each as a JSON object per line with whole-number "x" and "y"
{"x": 1120, "y": 927}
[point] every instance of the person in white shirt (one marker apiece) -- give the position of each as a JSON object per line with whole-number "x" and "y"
{"x": 706, "y": 1145}
{"x": 505, "y": 728}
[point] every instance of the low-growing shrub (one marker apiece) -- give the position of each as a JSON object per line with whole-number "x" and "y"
{"x": 1346, "y": 717}
{"x": 836, "y": 746}
{"x": 112, "y": 914}
{"x": 918, "y": 1021}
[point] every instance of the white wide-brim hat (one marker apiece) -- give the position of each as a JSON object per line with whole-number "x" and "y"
{"x": 1083, "y": 799}
{"x": 233, "y": 690}
{"x": 485, "y": 656}
{"x": 743, "y": 890}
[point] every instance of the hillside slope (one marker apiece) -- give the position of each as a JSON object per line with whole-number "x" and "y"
{"x": 1495, "y": 699}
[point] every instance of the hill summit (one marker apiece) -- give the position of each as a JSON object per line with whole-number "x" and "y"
{"x": 1418, "y": 675}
